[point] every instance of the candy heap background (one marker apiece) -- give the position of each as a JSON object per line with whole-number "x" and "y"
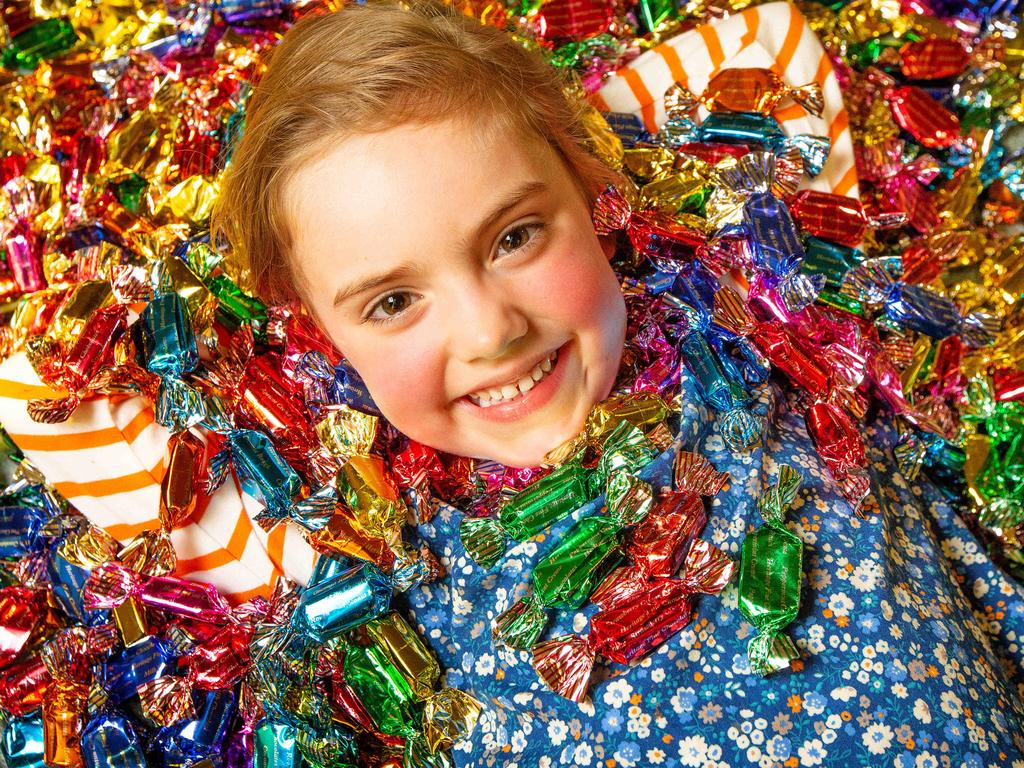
{"x": 118, "y": 119}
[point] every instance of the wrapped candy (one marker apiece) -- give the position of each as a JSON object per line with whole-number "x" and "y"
{"x": 111, "y": 584}
{"x": 776, "y": 249}
{"x": 770, "y": 573}
{"x": 526, "y": 514}
{"x": 748, "y": 128}
{"x": 171, "y": 353}
{"x": 837, "y": 218}
{"x": 636, "y": 625}
{"x": 931, "y": 124}
{"x": 656, "y": 545}
{"x": 567, "y": 575}
{"x": 264, "y": 474}
{"x": 753, "y": 89}
{"x": 933, "y": 59}
{"x": 109, "y": 739}
{"x": 395, "y": 678}
{"x": 610, "y": 426}
{"x": 652, "y": 235}
{"x": 913, "y": 306}
{"x": 351, "y": 598}
{"x": 78, "y": 369}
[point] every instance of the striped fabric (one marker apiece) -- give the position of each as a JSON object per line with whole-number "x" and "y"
{"x": 773, "y": 36}
{"x": 109, "y": 458}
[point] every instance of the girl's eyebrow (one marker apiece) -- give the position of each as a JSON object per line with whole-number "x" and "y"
{"x": 506, "y": 203}
{"x": 371, "y": 282}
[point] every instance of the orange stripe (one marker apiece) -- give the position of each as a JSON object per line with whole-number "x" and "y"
{"x": 68, "y": 441}
{"x": 847, "y": 182}
{"x": 233, "y": 551}
{"x": 671, "y": 58}
{"x": 139, "y": 422}
{"x": 107, "y": 486}
{"x": 597, "y": 101}
{"x": 790, "y": 112}
{"x": 713, "y": 44}
{"x": 824, "y": 68}
{"x": 839, "y": 124}
{"x": 643, "y": 97}
{"x": 237, "y": 598}
{"x": 752, "y": 19}
{"x": 792, "y": 41}
{"x": 275, "y": 546}
{"x": 19, "y": 390}
{"x": 122, "y": 531}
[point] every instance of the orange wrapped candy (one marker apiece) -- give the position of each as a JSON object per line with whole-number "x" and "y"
{"x": 756, "y": 90}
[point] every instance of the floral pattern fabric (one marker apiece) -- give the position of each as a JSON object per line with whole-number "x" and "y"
{"x": 910, "y": 637}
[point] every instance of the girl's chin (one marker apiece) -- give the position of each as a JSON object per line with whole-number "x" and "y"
{"x": 520, "y": 450}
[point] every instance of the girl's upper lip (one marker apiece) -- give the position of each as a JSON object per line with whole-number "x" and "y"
{"x": 500, "y": 381}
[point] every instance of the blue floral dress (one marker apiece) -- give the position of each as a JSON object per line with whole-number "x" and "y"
{"x": 910, "y": 637}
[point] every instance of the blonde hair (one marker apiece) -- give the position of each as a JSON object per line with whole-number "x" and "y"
{"x": 370, "y": 68}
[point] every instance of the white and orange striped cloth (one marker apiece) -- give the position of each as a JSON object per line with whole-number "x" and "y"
{"x": 774, "y": 36}
{"x": 108, "y": 459}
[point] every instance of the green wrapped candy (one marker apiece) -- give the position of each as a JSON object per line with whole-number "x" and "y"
{"x": 274, "y": 746}
{"x": 236, "y": 308}
{"x": 45, "y": 40}
{"x": 526, "y": 514}
{"x": 829, "y": 259}
{"x": 554, "y": 497}
{"x": 392, "y": 634}
{"x": 567, "y": 575}
{"x": 383, "y": 689}
{"x": 770, "y": 572}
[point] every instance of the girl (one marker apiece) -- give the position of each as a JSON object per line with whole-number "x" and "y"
{"x": 423, "y": 185}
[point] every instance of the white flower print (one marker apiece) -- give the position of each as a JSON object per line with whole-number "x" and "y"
{"x": 618, "y": 692}
{"x": 557, "y": 731}
{"x": 951, "y": 704}
{"x": 485, "y": 664}
{"x": 693, "y": 750}
{"x": 584, "y": 754}
{"x": 840, "y": 604}
{"x": 877, "y": 738}
{"x": 922, "y": 711}
{"x": 813, "y": 752}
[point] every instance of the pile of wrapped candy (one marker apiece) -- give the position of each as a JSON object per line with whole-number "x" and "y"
{"x": 117, "y": 120}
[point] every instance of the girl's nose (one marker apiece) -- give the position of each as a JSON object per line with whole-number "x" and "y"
{"x": 485, "y": 323}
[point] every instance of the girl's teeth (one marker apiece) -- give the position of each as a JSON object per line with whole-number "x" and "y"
{"x": 509, "y": 391}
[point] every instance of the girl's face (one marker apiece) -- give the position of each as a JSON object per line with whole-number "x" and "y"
{"x": 455, "y": 265}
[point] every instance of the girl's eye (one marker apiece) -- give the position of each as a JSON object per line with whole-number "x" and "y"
{"x": 390, "y": 307}
{"x": 519, "y": 237}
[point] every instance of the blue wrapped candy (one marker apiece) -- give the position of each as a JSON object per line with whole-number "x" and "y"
{"x": 351, "y": 598}
{"x": 265, "y": 475}
{"x": 171, "y": 353}
{"x": 109, "y": 741}
{"x": 21, "y": 742}
{"x": 914, "y": 307}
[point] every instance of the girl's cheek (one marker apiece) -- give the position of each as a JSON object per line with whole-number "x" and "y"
{"x": 402, "y": 376}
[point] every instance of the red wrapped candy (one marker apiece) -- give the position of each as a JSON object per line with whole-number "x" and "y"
{"x": 577, "y": 19}
{"x": 836, "y": 218}
{"x": 933, "y": 59}
{"x": 930, "y": 123}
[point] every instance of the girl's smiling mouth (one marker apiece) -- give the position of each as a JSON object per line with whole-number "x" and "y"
{"x": 515, "y": 400}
